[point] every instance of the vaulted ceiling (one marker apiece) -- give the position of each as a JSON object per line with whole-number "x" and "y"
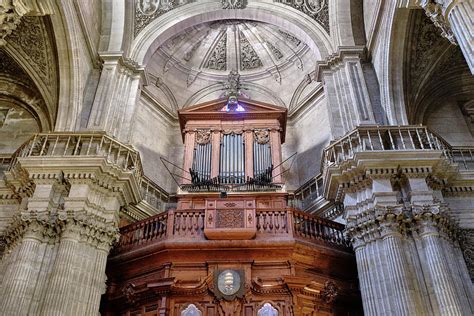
{"x": 275, "y": 66}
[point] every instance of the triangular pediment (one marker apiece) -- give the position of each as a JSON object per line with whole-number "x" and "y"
{"x": 248, "y": 110}
{"x": 246, "y": 104}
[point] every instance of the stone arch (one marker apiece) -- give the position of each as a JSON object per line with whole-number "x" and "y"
{"x": 161, "y": 29}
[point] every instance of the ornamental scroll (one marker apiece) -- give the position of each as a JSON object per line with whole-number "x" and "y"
{"x": 262, "y": 136}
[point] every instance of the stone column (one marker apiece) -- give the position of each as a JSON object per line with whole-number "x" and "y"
{"x": 444, "y": 287}
{"x": 406, "y": 299}
{"x": 454, "y": 18}
{"x": 27, "y": 237}
{"x": 363, "y": 269}
{"x": 17, "y": 289}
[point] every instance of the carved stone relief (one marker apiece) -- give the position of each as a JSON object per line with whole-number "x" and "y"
{"x": 218, "y": 57}
{"x": 434, "y": 11}
{"x": 316, "y": 9}
{"x": 32, "y": 39}
{"x": 248, "y": 57}
{"x": 148, "y": 10}
{"x": 232, "y": 4}
{"x": 467, "y": 246}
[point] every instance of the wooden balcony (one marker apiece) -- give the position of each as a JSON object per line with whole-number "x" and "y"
{"x": 187, "y": 226}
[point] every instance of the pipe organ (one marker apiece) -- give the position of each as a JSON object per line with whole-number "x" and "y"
{"x": 232, "y": 159}
{"x": 232, "y": 247}
{"x": 225, "y": 149}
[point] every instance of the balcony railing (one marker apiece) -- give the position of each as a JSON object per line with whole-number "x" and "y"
{"x": 188, "y": 225}
{"x": 383, "y": 138}
{"x": 92, "y": 144}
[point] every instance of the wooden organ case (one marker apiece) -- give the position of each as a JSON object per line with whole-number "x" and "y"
{"x": 232, "y": 246}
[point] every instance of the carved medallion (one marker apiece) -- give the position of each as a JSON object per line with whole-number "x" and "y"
{"x": 229, "y": 284}
{"x": 148, "y": 7}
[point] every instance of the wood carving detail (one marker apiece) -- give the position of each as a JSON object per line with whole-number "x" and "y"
{"x": 230, "y": 219}
{"x": 262, "y": 136}
{"x": 203, "y": 137}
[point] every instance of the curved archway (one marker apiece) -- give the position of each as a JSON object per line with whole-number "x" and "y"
{"x": 162, "y": 29}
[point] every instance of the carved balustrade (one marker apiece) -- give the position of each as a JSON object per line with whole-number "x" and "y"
{"x": 96, "y": 144}
{"x": 384, "y": 138}
{"x": 271, "y": 223}
{"x": 318, "y": 229}
{"x": 188, "y": 224}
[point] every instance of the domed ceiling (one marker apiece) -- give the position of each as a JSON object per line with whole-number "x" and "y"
{"x": 193, "y": 66}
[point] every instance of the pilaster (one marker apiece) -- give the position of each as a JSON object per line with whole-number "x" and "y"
{"x": 347, "y": 94}
{"x": 114, "y": 105}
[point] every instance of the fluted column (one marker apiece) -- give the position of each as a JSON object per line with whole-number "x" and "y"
{"x": 401, "y": 281}
{"x": 443, "y": 284}
{"x": 78, "y": 276}
{"x": 363, "y": 269}
{"x": 17, "y": 289}
{"x": 460, "y": 15}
